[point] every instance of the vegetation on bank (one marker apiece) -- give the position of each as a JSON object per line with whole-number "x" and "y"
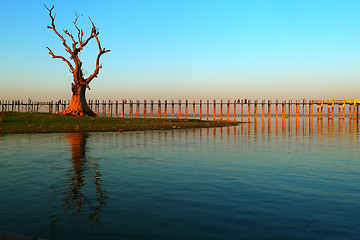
{"x": 14, "y": 122}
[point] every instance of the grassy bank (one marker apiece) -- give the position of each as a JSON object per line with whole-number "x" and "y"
{"x": 13, "y": 122}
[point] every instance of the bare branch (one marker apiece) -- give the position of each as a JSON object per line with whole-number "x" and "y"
{"x": 87, "y": 40}
{"x": 75, "y": 21}
{"x": 78, "y": 29}
{"x": 52, "y": 18}
{"x": 98, "y": 66}
{"x": 77, "y": 69}
{"x": 61, "y": 57}
{"x": 72, "y": 38}
{"x": 54, "y": 29}
{"x": 95, "y": 32}
{"x": 92, "y": 34}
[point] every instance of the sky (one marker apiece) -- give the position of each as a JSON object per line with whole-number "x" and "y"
{"x": 186, "y": 49}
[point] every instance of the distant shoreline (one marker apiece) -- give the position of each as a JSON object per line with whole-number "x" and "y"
{"x": 18, "y": 123}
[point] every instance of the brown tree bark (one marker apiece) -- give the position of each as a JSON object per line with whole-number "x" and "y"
{"x": 78, "y": 105}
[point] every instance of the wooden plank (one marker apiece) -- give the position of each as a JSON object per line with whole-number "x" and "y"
{"x": 214, "y": 112}
{"x": 249, "y": 108}
{"x": 207, "y": 110}
{"x": 179, "y": 109}
{"x": 137, "y": 111}
{"x": 269, "y": 109}
{"x": 122, "y": 106}
{"x": 221, "y": 110}
{"x": 235, "y": 110}
{"x": 172, "y": 109}
{"x": 242, "y": 109}
{"x": 144, "y": 110}
{"x": 110, "y": 109}
{"x": 255, "y": 108}
{"x": 152, "y": 109}
{"x": 130, "y": 108}
{"x": 228, "y": 110}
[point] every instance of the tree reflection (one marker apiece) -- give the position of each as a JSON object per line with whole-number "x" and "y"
{"x": 75, "y": 198}
{"x": 82, "y": 193}
{"x": 78, "y": 200}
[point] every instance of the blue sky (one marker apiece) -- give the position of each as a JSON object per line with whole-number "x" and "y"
{"x": 187, "y": 49}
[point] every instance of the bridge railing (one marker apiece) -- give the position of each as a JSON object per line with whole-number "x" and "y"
{"x": 231, "y": 110}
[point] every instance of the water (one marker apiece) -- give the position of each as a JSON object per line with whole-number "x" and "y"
{"x": 270, "y": 180}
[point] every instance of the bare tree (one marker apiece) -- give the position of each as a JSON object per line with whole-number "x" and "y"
{"x": 78, "y": 105}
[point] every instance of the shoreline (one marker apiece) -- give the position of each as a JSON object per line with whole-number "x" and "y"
{"x": 21, "y": 123}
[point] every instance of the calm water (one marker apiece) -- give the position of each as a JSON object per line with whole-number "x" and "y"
{"x": 284, "y": 180}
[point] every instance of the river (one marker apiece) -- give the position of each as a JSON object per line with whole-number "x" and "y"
{"x": 277, "y": 179}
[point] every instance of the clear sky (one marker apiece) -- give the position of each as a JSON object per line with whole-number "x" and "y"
{"x": 187, "y": 49}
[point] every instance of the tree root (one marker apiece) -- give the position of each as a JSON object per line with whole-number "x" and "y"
{"x": 78, "y": 112}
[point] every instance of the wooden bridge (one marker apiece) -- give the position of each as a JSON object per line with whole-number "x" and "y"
{"x": 235, "y": 110}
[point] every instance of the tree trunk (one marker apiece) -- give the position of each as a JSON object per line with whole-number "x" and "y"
{"x": 78, "y": 105}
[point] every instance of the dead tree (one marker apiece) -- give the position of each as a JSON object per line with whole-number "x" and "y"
{"x": 78, "y": 105}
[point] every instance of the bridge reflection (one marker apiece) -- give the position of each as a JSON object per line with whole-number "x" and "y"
{"x": 261, "y": 132}
{"x": 297, "y": 127}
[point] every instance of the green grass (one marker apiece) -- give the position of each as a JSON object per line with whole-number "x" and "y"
{"x": 14, "y": 122}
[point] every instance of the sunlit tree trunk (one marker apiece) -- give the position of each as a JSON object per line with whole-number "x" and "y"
{"x": 78, "y": 105}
